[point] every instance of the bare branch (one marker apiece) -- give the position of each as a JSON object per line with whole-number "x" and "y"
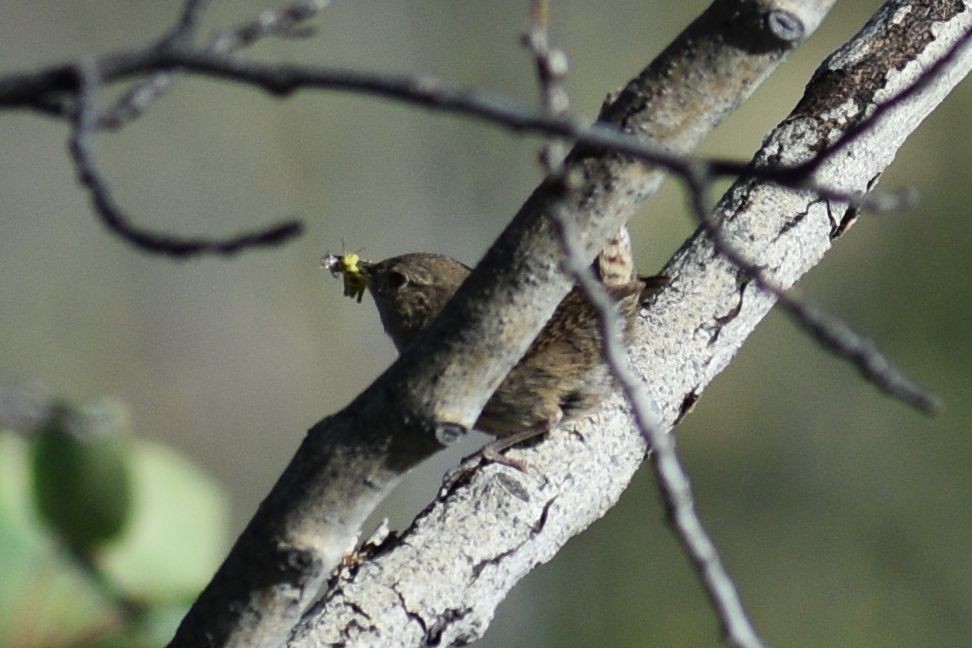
{"x": 448, "y": 373}
{"x": 42, "y": 91}
{"x": 111, "y": 214}
{"x": 551, "y": 66}
{"x": 673, "y": 482}
{"x": 480, "y": 538}
{"x": 187, "y": 25}
{"x": 285, "y": 22}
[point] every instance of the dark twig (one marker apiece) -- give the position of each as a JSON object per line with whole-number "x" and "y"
{"x": 551, "y": 66}
{"x": 831, "y": 332}
{"x": 187, "y": 25}
{"x": 433, "y": 94}
{"x": 673, "y": 482}
{"x": 40, "y": 91}
{"x": 285, "y": 22}
{"x": 111, "y": 214}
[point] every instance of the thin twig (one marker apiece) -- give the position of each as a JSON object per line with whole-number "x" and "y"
{"x": 187, "y": 25}
{"x": 41, "y": 91}
{"x": 673, "y": 482}
{"x": 551, "y": 66}
{"x": 111, "y": 214}
{"x": 433, "y": 94}
{"x": 285, "y": 22}
{"x": 672, "y": 479}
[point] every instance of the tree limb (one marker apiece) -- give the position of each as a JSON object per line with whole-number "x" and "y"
{"x": 441, "y": 580}
{"x": 349, "y": 461}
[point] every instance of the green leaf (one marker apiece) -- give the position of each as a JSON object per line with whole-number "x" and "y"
{"x": 42, "y": 595}
{"x": 82, "y": 485}
{"x": 178, "y": 532}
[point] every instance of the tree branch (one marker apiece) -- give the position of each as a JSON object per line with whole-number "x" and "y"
{"x": 81, "y": 147}
{"x": 285, "y": 22}
{"x": 56, "y": 91}
{"x": 350, "y": 460}
{"x": 441, "y": 580}
{"x": 43, "y": 91}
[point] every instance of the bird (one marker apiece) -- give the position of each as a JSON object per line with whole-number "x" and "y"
{"x": 560, "y": 378}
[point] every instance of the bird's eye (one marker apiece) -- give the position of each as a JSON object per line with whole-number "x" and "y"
{"x": 396, "y": 280}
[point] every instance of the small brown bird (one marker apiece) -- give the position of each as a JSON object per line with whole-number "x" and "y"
{"x": 561, "y": 376}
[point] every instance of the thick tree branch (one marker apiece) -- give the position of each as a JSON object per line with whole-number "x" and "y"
{"x": 441, "y": 580}
{"x": 830, "y": 332}
{"x": 349, "y": 461}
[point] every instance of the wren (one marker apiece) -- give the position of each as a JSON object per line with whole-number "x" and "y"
{"x": 560, "y": 377}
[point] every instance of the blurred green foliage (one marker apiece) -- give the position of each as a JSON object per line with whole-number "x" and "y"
{"x": 80, "y": 474}
{"x": 106, "y": 539}
{"x": 842, "y": 515}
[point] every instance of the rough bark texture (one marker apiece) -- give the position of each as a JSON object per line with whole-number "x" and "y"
{"x": 349, "y": 461}
{"x": 440, "y": 582}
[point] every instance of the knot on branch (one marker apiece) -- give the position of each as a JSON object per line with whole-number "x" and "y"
{"x": 763, "y": 27}
{"x": 784, "y": 25}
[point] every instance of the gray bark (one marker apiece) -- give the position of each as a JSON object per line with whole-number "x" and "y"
{"x": 349, "y": 461}
{"x": 440, "y": 582}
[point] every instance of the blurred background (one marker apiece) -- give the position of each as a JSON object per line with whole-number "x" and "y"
{"x": 843, "y": 515}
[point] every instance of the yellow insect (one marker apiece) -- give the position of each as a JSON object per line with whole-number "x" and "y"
{"x": 348, "y": 265}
